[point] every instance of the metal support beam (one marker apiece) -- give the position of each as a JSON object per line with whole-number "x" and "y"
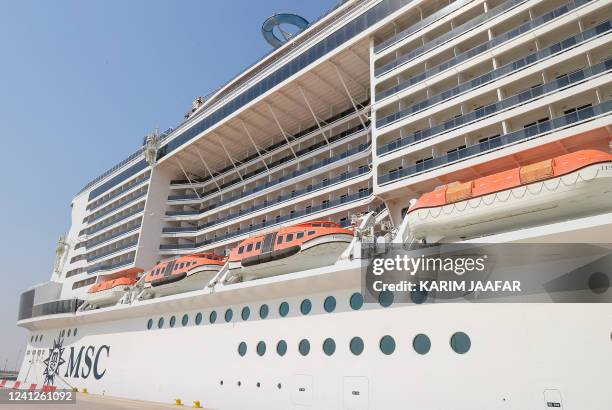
{"x": 187, "y": 176}
{"x": 229, "y": 156}
{"x": 246, "y": 130}
{"x": 207, "y": 168}
{"x": 281, "y": 129}
{"x": 347, "y": 75}
{"x": 348, "y": 93}
{"x": 313, "y": 114}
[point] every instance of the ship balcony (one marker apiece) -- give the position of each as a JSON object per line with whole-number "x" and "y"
{"x": 276, "y": 170}
{"x": 117, "y": 206}
{"x": 112, "y": 249}
{"x": 290, "y": 198}
{"x": 122, "y": 190}
{"x": 338, "y": 209}
{"x": 121, "y": 217}
{"x": 340, "y": 126}
{"x": 110, "y": 265}
{"x": 540, "y": 32}
{"x": 579, "y": 114}
{"x": 512, "y": 66}
{"x": 117, "y": 233}
{"x": 574, "y": 75}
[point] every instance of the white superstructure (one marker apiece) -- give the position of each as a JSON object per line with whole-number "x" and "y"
{"x": 373, "y": 105}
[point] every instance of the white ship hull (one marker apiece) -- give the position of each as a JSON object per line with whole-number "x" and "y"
{"x": 583, "y": 192}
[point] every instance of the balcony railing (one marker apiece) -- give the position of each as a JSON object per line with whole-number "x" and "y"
{"x": 486, "y": 111}
{"x": 114, "y": 208}
{"x": 507, "y": 69}
{"x": 277, "y": 221}
{"x": 112, "y": 221}
{"x": 238, "y": 181}
{"x": 109, "y": 266}
{"x": 446, "y": 37}
{"x": 132, "y": 184}
{"x": 111, "y": 237}
{"x": 111, "y": 251}
{"x": 481, "y": 48}
{"x": 282, "y": 198}
{"x": 284, "y": 178}
{"x": 500, "y": 142}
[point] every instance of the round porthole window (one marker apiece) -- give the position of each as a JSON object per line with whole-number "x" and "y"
{"x": 460, "y": 342}
{"x": 281, "y": 347}
{"x": 198, "y": 319}
{"x": 304, "y": 347}
{"x": 356, "y": 346}
{"x": 246, "y": 312}
{"x": 212, "y": 317}
{"x": 160, "y": 322}
{"x": 75, "y": 332}
{"x": 329, "y": 346}
{"x": 418, "y": 296}
{"x": 263, "y": 311}
{"x": 385, "y": 298}
{"x": 228, "y": 315}
{"x": 242, "y": 348}
{"x": 306, "y": 306}
{"x": 185, "y": 319}
{"x": 283, "y": 309}
{"x": 149, "y": 324}
{"x": 329, "y": 304}
{"x": 387, "y": 345}
{"x": 172, "y": 321}
{"x": 356, "y": 301}
{"x": 69, "y": 331}
{"x": 261, "y": 348}
{"x": 421, "y": 344}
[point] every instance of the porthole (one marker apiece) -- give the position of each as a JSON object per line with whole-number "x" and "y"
{"x": 221, "y": 382}
{"x": 306, "y": 306}
{"x": 160, "y": 322}
{"x": 246, "y": 312}
{"x": 239, "y": 383}
{"x": 242, "y": 348}
{"x": 198, "y": 319}
{"x": 258, "y": 384}
{"x": 599, "y": 283}
{"x": 279, "y": 386}
{"x": 228, "y": 315}
{"x": 172, "y": 321}
{"x": 283, "y": 309}
{"x": 75, "y": 332}
{"x": 329, "y": 346}
{"x": 460, "y": 342}
{"x": 356, "y": 301}
{"x": 212, "y": 318}
{"x": 281, "y": 347}
{"x": 263, "y": 311}
{"x": 421, "y": 344}
{"x": 385, "y": 298}
{"x": 261, "y": 348}
{"x": 304, "y": 347}
{"x": 356, "y": 346}
{"x": 69, "y": 331}
{"x": 185, "y": 319}
{"x": 150, "y": 324}
{"x": 418, "y": 296}
{"x": 387, "y": 345}
{"x": 329, "y": 304}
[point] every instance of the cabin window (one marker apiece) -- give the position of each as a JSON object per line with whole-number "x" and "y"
{"x": 198, "y": 318}
{"x": 279, "y": 240}
{"x": 263, "y": 311}
{"x": 304, "y": 347}
{"x": 311, "y": 233}
{"x": 185, "y": 319}
{"x": 246, "y": 312}
{"x": 306, "y": 306}
{"x": 387, "y": 345}
{"x": 329, "y": 346}
{"x": 356, "y": 301}
{"x": 150, "y": 324}
{"x": 261, "y": 348}
{"x": 283, "y": 309}
{"x": 160, "y": 322}
{"x": 356, "y": 345}
{"x": 182, "y": 265}
{"x": 330, "y": 304}
{"x": 172, "y": 321}
{"x": 460, "y": 342}
{"x": 249, "y": 247}
{"x": 300, "y": 235}
{"x": 421, "y": 344}
{"x": 242, "y": 349}
{"x": 213, "y": 317}
{"x": 240, "y": 250}
{"x": 258, "y": 246}
{"x": 289, "y": 237}
{"x": 281, "y": 349}
{"x": 228, "y": 315}
{"x": 176, "y": 266}
{"x": 188, "y": 264}
{"x": 385, "y": 298}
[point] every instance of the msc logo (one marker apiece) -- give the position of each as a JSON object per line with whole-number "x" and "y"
{"x": 80, "y": 364}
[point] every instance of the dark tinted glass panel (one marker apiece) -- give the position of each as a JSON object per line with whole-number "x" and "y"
{"x": 330, "y": 304}
{"x": 421, "y": 344}
{"x": 304, "y": 347}
{"x": 329, "y": 346}
{"x": 356, "y": 346}
{"x": 356, "y": 301}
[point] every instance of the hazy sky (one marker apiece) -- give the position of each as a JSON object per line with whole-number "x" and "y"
{"x": 81, "y": 83}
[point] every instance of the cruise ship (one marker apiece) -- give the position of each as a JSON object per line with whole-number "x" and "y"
{"x": 221, "y": 262}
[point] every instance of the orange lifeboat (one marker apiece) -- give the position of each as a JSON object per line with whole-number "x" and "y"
{"x": 568, "y": 186}
{"x": 290, "y": 249}
{"x": 111, "y": 288}
{"x": 184, "y": 274}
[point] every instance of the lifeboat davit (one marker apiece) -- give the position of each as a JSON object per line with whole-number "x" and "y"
{"x": 184, "y": 274}
{"x": 290, "y": 249}
{"x": 111, "y": 288}
{"x": 568, "y": 186}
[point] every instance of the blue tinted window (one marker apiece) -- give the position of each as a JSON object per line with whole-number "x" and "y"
{"x": 356, "y": 346}
{"x": 281, "y": 348}
{"x": 198, "y": 318}
{"x": 246, "y": 312}
{"x": 330, "y": 304}
{"x": 385, "y": 298}
{"x": 418, "y": 296}
{"x": 149, "y": 325}
{"x": 261, "y": 348}
{"x": 304, "y": 347}
{"x": 460, "y": 342}
{"x": 228, "y": 315}
{"x": 242, "y": 348}
{"x": 213, "y": 317}
{"x": 263, "y": 311}
{"x": 283, "y": 309}
{"x": 356, "y": 301}
{"x": 421, "y": 344}
{"x": 160, "y": 322}
{"x": 172, "y": 321}
{"x": 329, "y": 346}
{"x": 306, "y": 306}
{"x": 387, "y": 345}
{"x": 185, "y": 319}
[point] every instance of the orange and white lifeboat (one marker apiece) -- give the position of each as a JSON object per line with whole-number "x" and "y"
{"x": 111, "y": 288}
{"x": 290, "y": 249}
{"x": 568, "y": 186}
{"x": 184, "y": 274}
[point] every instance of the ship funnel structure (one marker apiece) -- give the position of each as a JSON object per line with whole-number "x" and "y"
{"x": 280, "y": 28}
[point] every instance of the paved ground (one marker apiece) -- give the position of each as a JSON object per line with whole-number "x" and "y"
{"x": 95, "y": 402}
